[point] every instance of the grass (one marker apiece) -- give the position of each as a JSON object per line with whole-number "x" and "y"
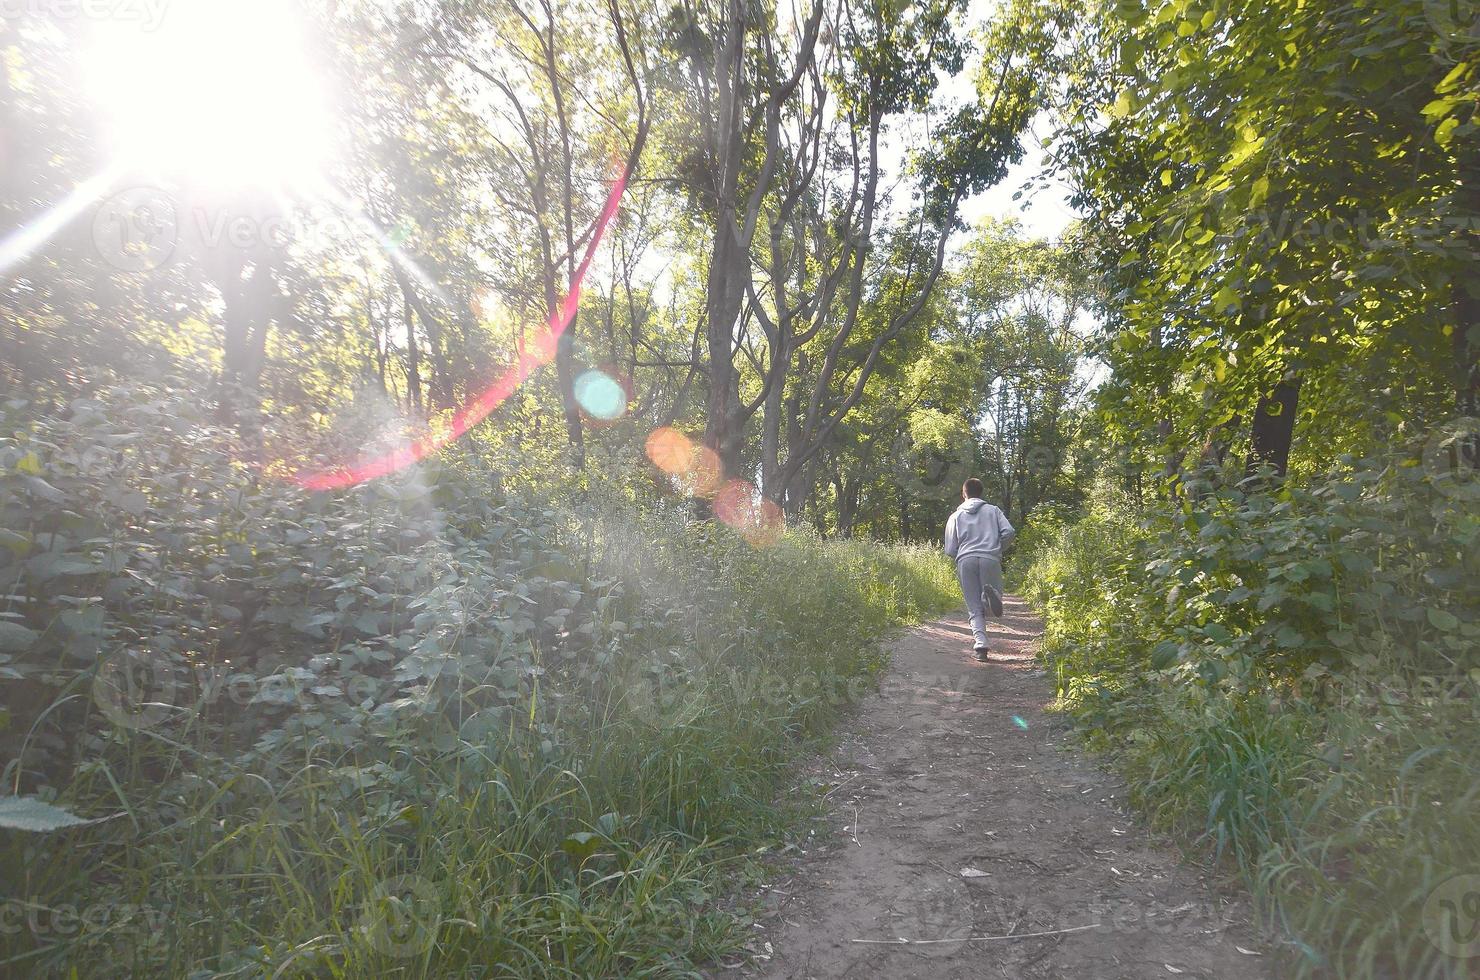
{"x": 594, "y": 832}
{"x": 1344, "y": 796}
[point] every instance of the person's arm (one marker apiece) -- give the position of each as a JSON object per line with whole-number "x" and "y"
{"x": 1005, "y": 531}
{"x": 951, "y": 543}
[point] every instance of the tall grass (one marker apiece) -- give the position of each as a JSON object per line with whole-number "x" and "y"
{"x": 484, "y": 735}
{"x": 504, "y": 854}
{"x": 1316, "y": 732}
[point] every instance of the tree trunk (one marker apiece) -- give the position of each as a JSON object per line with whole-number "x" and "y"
{"x": 728, "y": 257}
{"x": 1273, "y": 429}
{"x": 413, "y": 360}
{"x": 1466, "y": 335}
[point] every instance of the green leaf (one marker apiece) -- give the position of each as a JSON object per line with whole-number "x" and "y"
{"x": 580, "y": 846}
{"x": 18, "y": 543}
{"x": 1439, "y": 108}
{"x": 1163, "y": 654}
{"x": 1217, "y": 633}
{"x": 29, "y": 813}
{"x": 14, "y": 637}
{"x": 1451, "y": 80}
{"x": 1442, "y": 620}
{"x": 1226, "y": 299}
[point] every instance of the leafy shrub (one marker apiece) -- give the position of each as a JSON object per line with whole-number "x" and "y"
{"x": 1291, "y": 676}
{"x": 420, "y": 727}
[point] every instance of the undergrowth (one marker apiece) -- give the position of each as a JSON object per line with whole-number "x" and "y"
{"x": 1290, "y": 678}
{"x": 425, "y": 727}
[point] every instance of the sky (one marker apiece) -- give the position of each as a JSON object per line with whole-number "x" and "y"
{"x": 1044, "y": 213}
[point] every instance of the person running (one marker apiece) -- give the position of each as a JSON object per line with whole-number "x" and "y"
{"x": 976, "y": 533}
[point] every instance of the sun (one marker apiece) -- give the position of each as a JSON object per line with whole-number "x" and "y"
{"x": 221, "y": 93}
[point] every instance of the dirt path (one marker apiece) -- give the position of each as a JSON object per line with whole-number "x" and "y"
{"x": 956, "y": 814}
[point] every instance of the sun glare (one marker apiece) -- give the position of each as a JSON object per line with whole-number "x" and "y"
{"x": 219, "y": 93}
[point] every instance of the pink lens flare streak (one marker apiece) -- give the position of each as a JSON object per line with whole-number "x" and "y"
{"x": 475, "y": 411}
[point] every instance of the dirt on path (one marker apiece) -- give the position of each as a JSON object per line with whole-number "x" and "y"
{"x": 960, "y": 823}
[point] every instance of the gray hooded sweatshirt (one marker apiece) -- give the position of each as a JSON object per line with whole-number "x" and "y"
{"x": 977, "y": 528}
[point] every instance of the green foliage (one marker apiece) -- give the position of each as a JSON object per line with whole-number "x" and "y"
{"x": 421, "y": 727}
{"x": 28, "y": 813}
{"x": 1291, "y": 678}
{"x": 1274, "y": 201}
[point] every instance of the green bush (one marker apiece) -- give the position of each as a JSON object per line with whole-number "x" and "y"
{"x": 1291, "y": 676}
{"x": 421, "y": 727}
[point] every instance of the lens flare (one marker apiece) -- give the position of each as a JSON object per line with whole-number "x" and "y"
{"x": 696, "y": 467}
{"x": 601, "y": 396}
{"x": 538, "y": 351}
{"x": 742, "y": 507}
{"x": 705, "y": 472}
{"x": 670, "y": 450}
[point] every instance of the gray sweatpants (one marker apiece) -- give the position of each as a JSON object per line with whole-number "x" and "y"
{"x": 977, "y": 574}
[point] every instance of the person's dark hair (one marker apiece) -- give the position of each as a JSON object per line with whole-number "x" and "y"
{"x": 972, "y": 488}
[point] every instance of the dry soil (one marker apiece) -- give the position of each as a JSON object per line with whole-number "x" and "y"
{"x": 968, "y": 838}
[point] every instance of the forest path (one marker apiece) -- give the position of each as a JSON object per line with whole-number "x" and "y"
{"x": 957, "y": 813}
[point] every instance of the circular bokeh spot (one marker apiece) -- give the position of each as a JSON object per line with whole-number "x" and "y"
{"x": 600, "y": 395}
{"x": 670, "y": 450}
{"x": 741, "y": 506}
{"x": 696, "y": 467}
{"x": 705, "y": 472}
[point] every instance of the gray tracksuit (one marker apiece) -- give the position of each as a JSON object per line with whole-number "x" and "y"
{"x": 975, "y": 536}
